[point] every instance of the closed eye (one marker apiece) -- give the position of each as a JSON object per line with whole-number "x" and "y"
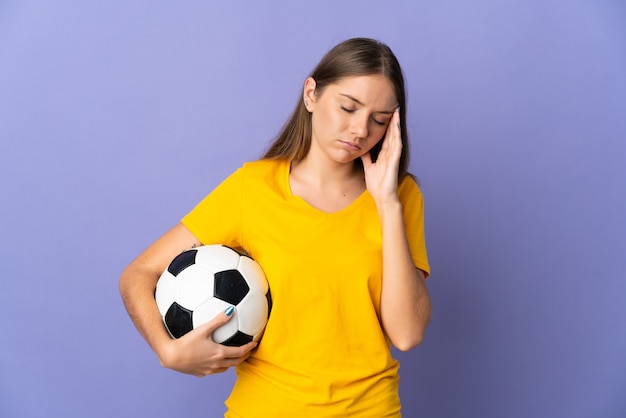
{"x": 376, "y": 121}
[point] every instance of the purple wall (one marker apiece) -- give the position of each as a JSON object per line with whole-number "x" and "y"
{"x": 117, "y": 117}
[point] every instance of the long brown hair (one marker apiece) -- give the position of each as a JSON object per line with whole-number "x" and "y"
{"x": 353, "y": 57}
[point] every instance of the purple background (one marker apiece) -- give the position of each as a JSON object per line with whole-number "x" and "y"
{"x": 116, "y": 117}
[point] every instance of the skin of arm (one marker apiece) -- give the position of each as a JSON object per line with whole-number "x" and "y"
{"x": 194, "y": 353}
{"x": 405, "y": 303}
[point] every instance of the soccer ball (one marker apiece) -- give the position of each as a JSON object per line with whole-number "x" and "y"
{"x": 204, "y": 281}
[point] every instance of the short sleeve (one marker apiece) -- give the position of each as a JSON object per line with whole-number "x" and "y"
{"x": 217, "y": 218}
{"x": 413, "y": 207}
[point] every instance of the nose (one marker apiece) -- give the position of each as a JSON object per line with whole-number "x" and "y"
{"x": 359, "y": 126}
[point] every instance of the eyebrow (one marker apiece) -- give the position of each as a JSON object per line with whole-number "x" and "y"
{"x": 357, "y": 101}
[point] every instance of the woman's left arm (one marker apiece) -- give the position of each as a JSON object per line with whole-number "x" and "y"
{"x": 405, "y": 304}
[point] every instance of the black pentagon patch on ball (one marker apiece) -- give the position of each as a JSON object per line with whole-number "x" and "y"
{"x": 230, "y": 286}
{"x": 182, "y": 261}
{"x": 178, "y": 320}
{"x": 238, "y": 339}
{"x": 268, "y": 296}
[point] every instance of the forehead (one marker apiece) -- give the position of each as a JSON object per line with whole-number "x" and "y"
{"x": 369, "y": 90}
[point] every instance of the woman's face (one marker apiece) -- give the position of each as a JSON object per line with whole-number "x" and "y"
{"x": 350, "y": 116}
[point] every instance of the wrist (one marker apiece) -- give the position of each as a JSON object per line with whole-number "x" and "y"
{"x": 389, "y": 206}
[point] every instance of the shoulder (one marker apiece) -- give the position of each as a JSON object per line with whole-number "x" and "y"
{"x": 260, "y": 167}
{"x": 409, "y": 188}
{"x": 264, "y": 172}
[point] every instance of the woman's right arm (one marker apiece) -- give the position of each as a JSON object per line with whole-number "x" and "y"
{"x": 195, "y": 352}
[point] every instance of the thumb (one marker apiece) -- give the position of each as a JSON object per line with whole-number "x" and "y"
{"x": 220, "y": 319}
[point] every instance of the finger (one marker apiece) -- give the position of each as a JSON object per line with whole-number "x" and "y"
{"x": 232, "y": 362}
{"x": 220, "y": 370}
{"x": 395, "y": 125}
{"x": 395, "y": 134}
{"x": 393, "y": 129}
{"x": 215, "y": 370}
{"x": 241, "y": 352}
{"x": 392, "y": 136}
{"x": 220, "y": 319}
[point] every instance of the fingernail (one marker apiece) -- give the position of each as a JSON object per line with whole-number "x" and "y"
{"x": 229, "y": 311}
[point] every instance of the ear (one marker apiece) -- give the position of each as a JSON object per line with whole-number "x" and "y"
{"x": 309, "y": 95}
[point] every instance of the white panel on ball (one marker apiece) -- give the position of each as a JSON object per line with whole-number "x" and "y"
{"x": 218, "y": 257}
{"x": 166, "y": 293}
{"x": 254, "y": 274}
{"x": 195, "y": 286}
{"x": 256, "y": 303}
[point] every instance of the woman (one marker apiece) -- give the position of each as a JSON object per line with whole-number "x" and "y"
{"x": 335, "y": 221}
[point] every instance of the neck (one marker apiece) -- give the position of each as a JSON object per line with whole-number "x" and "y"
{"x": 327, "y": 187}
{"x": 323, "y": 173}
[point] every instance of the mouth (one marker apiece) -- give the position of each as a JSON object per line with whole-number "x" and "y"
{"x": 353, "y": 146}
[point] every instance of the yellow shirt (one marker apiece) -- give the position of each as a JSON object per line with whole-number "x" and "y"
{"x": 323, "y": 353}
